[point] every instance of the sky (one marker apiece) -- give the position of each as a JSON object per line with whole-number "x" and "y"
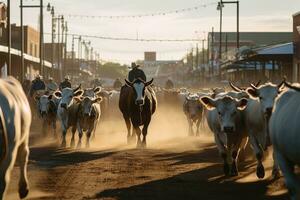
{"x": 255, "y": 15}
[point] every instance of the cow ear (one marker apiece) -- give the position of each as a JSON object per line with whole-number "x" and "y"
{"x": 252, "y": 92}
{"x": 97, "y": 100}
{"x": 57, "y": 93}
{"x": 50, "y": 96}
{"x": 97, "y": 90}
{"x": 242, "y": 104}
{"x": 78, "y": 93}
{"x": 208, "y": 102}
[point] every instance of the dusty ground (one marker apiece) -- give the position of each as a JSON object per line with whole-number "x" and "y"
{"x": 173, "y": 167}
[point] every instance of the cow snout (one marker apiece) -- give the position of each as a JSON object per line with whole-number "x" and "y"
{"x": 63, "y": 105}
{"x": 43, "y": 113}
{"x": 139, "y": 102}
{"x": 228, "y": 129}
{"x": 86, "y": 114}
{"x": 268, "y": 111}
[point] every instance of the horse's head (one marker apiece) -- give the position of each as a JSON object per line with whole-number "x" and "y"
{"x": 139, "y": 86}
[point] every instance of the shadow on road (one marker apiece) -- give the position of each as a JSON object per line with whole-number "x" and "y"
{"x": 207, "y": 183}
{"x": 54, "y": 157}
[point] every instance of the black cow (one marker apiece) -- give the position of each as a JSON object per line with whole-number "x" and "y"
{"x": 137, "y": 103}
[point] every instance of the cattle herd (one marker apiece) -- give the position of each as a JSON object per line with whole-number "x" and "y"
{"x": 262, "y": 115}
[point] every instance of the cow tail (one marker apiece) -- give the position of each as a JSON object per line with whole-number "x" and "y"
{"x": 3, "y": 137}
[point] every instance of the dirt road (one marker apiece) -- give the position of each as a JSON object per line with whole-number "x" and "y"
{"x": 187, "y": 168}
{"x": 173, "y": 167}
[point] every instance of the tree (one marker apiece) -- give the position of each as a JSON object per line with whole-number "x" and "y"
{"x": 113, "y": 70}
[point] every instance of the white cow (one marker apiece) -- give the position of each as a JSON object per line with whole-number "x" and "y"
{"x": 47, "y": 108}
{"x": 258, "y": 113}
{"x": 193, "y": 109}
{"x": 67, "y": 112}
{"x": 284, "y": 132}
{"x": 225, "y": 119}
{"x": 88, "y": 118}
{"x": 15, "y": 115}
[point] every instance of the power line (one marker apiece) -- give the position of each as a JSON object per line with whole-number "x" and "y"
{"x": 133, "y": 39}
{"x": 190, "y": 9}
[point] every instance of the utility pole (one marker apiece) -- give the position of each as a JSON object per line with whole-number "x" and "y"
{"x": 220, "y": 8}
{"x": 8, "y": 39}
{"x": 226, "y": 44}
{"x": 197, "y": 56}
{"x": 212, "y": 51}
{"x": 203, "y": 61}
{"x": 66, "y": 45}
{"x": 41, "y": 38}
{"x": 238, "y": 24}
{"x": 22, "y": 42}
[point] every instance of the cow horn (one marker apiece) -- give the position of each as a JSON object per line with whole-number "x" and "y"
{"x": 235, "y": 88}
{"x": 257, "y": 84}
{"x": 253, "y": 86}
{"x": 282, "y": 83}
{"x": 149, "y": 82}
{"x": 289, "y": 85}
{"x": 128, "y": 83}
{"x": 76, "y": 89}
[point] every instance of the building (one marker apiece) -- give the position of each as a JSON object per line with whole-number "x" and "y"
{"x": 150, "y": 56}
{"x": 31, "y": 40}
{"x": 160, "y": 70}
{"x": 247, "y": 39}
{"x": 296, "y": 40}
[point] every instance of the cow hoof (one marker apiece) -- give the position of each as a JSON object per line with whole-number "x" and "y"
{"x": 234, "y": 171}
{"x": 87, "y": 145}
{"x": 226, "y": 169}
{"x": 260, "y": 171}
{"x": 23, "y": 192}
{"x": 78, "y": 146}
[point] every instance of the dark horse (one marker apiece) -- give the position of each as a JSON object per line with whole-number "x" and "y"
{"x": 137, "y": 103}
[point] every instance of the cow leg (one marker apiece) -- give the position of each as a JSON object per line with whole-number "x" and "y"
{"x": 291, "y": 179}
{"x": 223, "y": 152}
{"x": 45, "y": 127}
{"x": 198, "y": 127}
{"x": 260, "y": 170}
{"x": 145, "y": 131}
{"x": 73, "y": 130}
{"x": 138, "y": 134}
{"x": 54, "y": 129}
{"x": 191, "y": 132}
{"x": 275, "y": 170}
{"x": 23, "y": 153}
{"x": 88, "y": 135}
{"x": 64, "y": 133}
{"x": 128, "y": 125}
{"x": 5, "y": 170}
{"x": 234, "y": 169}
{"x": 80, "y": 134}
